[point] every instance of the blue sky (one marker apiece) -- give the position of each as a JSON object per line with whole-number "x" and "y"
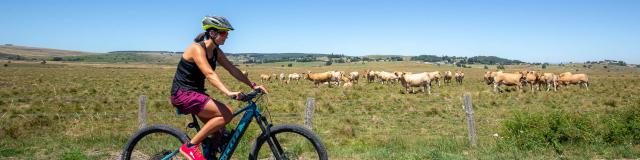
{"x": 533, "y": 31}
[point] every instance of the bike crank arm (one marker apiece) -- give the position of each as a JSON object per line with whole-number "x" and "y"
{"x": 168, "y": 157}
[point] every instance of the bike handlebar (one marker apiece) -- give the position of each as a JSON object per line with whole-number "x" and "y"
{"x": 249, "y": 96}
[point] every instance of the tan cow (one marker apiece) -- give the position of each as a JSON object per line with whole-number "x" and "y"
{"x": 371, "y": 76}
{"x": 459, "y": 76}
{"x": 550, "y": 80}
{"x": 245, "y": 73}
{"x": 416, "y": 80}
{"x": 336, "y": 76}
{"x": 569, "y": 78}
{"x": 265, "y": 77}
{"x": 318, "y": 78}
{"x": 354, "y": 76}
{"x": 281, "y": 77}
{"x": 508, "y": 79}
{"x": 447, "y": 77}
{"x": 435, "y": 77}
{"x": 387, "y": 77}
{"x": 294, "y": 77}
{"x": 488, "y": 76}
{"x": 532, "y": 79}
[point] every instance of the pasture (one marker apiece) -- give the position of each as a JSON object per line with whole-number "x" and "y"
{"x": 88, "y": 111}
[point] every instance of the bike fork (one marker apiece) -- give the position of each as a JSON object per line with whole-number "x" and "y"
{"x": 274, "y": 145}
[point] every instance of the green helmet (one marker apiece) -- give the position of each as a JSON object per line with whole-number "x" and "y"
{"x": 217, "y": 22}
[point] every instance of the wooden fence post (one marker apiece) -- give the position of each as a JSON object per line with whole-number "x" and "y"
{"x": 142, "y": 111}
{"x": 308, "y": 113}
{"x": 468, "y": 109}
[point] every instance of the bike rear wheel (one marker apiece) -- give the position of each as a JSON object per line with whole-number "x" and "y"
{"x": 295, "y": 142}
{"x": 153, "y": 142}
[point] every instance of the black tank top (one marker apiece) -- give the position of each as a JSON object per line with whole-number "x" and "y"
{"x": 189, "y": 77}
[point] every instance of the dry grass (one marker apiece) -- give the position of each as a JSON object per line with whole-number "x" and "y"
{"x": 89, "y": 110}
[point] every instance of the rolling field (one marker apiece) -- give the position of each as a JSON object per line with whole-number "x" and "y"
{"x": 87, "y": 111}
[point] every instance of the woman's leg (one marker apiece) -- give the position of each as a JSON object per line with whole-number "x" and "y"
{"x": 215, "y": 115}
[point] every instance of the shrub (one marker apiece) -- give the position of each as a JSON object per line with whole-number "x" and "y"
{"x": 542, "y": 130}
{"x": 486, "y": 67}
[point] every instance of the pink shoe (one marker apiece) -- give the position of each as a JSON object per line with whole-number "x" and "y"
{"x": 192, "y": 153}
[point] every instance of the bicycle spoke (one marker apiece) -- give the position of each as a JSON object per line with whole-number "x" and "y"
{"x": 293, "y": 145}
{"x": 155, "y": 146}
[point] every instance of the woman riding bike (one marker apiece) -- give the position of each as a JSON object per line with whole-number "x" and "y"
{"x": 197, "y": 64}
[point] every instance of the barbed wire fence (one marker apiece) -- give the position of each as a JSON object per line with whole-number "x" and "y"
{"x": 307, "y": 117}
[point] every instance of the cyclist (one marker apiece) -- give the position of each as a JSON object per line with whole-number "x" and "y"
{"x": 197, "y": 64}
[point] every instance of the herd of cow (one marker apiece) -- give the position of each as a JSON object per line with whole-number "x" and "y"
{"x": 338, "y": 78}
{"x": 424, "y": 80}
{"x": 534, "y": 78}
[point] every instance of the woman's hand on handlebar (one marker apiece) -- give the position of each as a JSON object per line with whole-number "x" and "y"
{"x": 264, "y": 90}
{"x": 235, "y": 95}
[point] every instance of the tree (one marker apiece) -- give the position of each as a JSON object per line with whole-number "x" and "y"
{"x": 328, "y": 63}
{"x": 290, "y": 65}
{"x": 544, "y": 65}
{"x": 622, "y": 63}
{"x": 486, "y": 67}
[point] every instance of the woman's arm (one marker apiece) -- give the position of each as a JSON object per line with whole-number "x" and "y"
{"x": 200, "y": 58}
{"x": 235, "y": 72}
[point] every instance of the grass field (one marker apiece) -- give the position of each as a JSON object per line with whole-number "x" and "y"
{"x": 88, "y": 111}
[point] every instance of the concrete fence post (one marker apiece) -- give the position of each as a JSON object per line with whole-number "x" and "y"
{"x": 142, "y": 111}
{"x": 308, "y": 113}
{"x": 468, "y": 109}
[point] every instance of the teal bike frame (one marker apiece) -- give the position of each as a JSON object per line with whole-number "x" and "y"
{"x": 251, "y": 111}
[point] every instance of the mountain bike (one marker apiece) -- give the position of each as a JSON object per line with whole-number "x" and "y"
{"x": 274, "y": 142}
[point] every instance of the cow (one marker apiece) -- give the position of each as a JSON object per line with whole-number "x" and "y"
{"x": 354, "y": 76}
{"x": 336, "y": 76}
{"x": 281, "y": 77}
{"x": 294, "y": 77}
{"x": 416, "y": 80}
{"x": 551, "y": 80}
{"x": 569, "y": 78}
{"x": 245, "y": 73}
{"x": 387, "y": 77}
{"x": 435, "y": 77}
{"x": 265, "y": 77}
{"x": 488, "y": 76}
{"x": 371, "y": 76}
{"x": 318, "y": 78}
{"x": 532, "y": 78}
{"x": 508, "y": 79}
{"x": 447, "y": 77}
{"x": 459, "y": 76}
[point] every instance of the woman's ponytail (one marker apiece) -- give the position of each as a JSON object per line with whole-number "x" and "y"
{"x": 201, "y": 37}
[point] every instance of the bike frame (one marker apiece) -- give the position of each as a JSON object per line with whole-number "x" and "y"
{"x": 251, "y": 111}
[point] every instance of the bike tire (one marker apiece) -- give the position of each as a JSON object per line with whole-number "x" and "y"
{"x": 162, "y": 129}
{"x": 295, "y": 129}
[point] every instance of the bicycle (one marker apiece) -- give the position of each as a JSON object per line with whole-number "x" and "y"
{"x": 305, "y": 144}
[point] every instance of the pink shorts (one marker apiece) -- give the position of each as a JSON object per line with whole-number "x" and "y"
{"x": 189, "y": 102}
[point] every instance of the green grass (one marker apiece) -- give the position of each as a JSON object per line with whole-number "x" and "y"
{"x": 76, "y": 111}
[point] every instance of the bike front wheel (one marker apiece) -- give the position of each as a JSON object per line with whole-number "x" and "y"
{"x": 154, "y": 142}
{"x": 291, "y": 142}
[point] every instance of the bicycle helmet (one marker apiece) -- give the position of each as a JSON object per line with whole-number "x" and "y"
{"x": 216, "y": 22}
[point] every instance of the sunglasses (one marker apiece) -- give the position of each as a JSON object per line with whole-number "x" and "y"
{"x": 223, "y": 33}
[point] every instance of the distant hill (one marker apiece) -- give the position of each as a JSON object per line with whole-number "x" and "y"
{"x": 13, "y": 52}
{"x": 34, "y": 52}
